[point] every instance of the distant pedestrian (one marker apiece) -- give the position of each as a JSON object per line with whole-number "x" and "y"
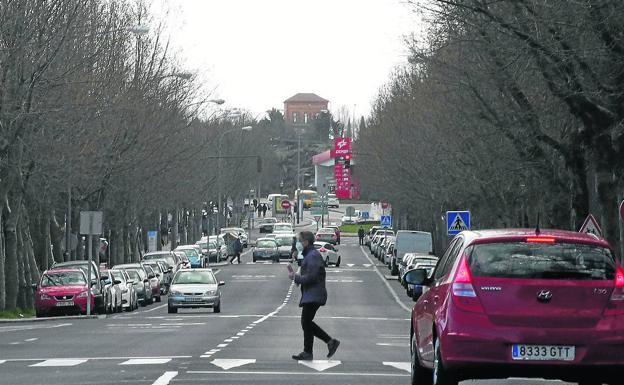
{"x": 237, "y": 248}
{"x": 313, "y": 296}
{"x": 264, "y": 210}
{"x": 361, "y": 235}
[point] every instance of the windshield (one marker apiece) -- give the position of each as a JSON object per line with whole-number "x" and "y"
{"x": 266, "y": 244}
{"x": 191, "y": 253}
{"x": 537, "y": 260}
{"x": 284, "y": 241}
{"x": 194, "y": 278}
{"x": 134, "y": 275}
{"x": 282, "y": 228}
{"x": 117, "y": 276}
{"x": 69, "y": 278}
{"x": 137, "y": 273}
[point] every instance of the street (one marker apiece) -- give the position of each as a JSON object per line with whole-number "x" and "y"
{"x": 252, "y": 338}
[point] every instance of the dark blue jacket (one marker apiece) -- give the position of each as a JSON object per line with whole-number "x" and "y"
{"x": 312, "y": 278}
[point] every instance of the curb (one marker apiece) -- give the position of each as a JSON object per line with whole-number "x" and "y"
{"x": 46, "y": 319}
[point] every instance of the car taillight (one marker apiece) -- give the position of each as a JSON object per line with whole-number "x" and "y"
{"x": 318, "y": 237}
{"x": 464, "y": 295}
{"x": 616, "y": 302}
{"x": 322, "y": 249}
{"x": 546, "y": 240}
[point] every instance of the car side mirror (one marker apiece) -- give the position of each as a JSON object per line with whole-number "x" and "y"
{"x": 151, "y": 276}
{"x": 104, "y": 278}
{"x": 117, "y": 282}
{"x": 94, "y": 283}
{"x": 34, "y": 286}
{"x": 146, "y": 280}
{"x": 158, "y": 275}
{"x": 416, "y": 277}
{"x": 221, "y": 283}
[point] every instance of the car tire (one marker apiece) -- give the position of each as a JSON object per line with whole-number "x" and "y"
{"x": 441, "y": 376}
{"x": 326, "y": 261}
{"x": 143, "y": 303}
{"x": 217, "y": 309}
{"x": 254, "y": 260}
{"x": 159, "y": 298}
{"x": 338, "y": 262}
{"x": 419, "y": 375}
{"x": 172, "y": 310}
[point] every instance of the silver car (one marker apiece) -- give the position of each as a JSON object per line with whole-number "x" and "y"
{"x": 195, "y": 288}
{"x": 285, "y": 245}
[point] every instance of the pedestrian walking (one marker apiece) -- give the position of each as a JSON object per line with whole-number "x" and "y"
{"x": 313, "y": 296}
{"x": 264, "y": 210}
{"x": 237, "y": 247}
{"x": 361, "y": 235}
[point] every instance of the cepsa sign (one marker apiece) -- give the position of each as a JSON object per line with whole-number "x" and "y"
{"x": 342, "y": 146}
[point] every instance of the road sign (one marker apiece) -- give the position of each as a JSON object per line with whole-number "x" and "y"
{"x": 457, "y": 221}
{"x": 385, "y": 205}
{"x": 317, "y": 218}
{"x": 285, "y": 204}
{"x": 622, "y": 210}
{"x": 591, "y": 226}
{"x": 91, "y": 222}
{"x": 364, "y": 214}
{"x": 152, "y": 240}
{"x": 386, "y": 221}
{"x": 350, "y": 211}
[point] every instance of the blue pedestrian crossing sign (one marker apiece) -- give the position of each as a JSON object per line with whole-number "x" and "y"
{"x": 457, "y": 221}
{"x": 386, "y": 221}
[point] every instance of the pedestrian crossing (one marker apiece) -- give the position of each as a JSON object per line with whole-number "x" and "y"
{"x": 219, "y": 364}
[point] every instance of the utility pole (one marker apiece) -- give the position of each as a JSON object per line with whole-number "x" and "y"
{"x": 68, "y": 224}
{"x": 299, "y": 205}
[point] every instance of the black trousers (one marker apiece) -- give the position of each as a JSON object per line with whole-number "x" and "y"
{"x": 361, "y": 240}
{"x": 235, "y": 256}
{"x": 311, "y": 329}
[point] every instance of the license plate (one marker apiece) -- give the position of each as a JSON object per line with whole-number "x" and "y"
{"x": 65, "y": 303}
{"x": 543, "y": 353}
{"x": 192, "y": 299}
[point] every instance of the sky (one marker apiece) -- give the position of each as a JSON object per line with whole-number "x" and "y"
{"x": 257, "y": 53}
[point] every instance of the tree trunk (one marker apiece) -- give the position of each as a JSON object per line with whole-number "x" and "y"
{"x": 174, "y": 229}
{"x": 2, "y": 264}
{"x": 21, "y": 272}
{"x": 11, "y": 213}
{"x": 55, "y": 237}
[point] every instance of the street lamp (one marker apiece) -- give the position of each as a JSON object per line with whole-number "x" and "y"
{"x": 244, "y": 129}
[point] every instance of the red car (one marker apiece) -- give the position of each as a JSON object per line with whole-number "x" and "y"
{"x": 62, "y": 291}
{"x": 520, "y": 303}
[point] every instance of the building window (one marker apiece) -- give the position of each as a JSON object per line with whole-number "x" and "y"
{"x": 305, "y": 117}
{"x": 295, "y": 117}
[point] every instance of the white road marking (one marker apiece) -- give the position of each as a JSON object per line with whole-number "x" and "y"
{"x": 31, "y": 339}
{"x": 2, "y": 361}
{"x": 344, "y": 280}
{"x": 394, "y": 294}
{"x": 107, "y": 358}
{"x": 227, "y": 364}
{"x": 15, "y": 328}
{"x": 350, "y": 264}
{"x": 389, "y": 344}
{"x": 320, "y": 365}
{"x": 228, "y": 340}
{"x": 406, "y": 366}
{"x": 14, "y": 343}
{"x": 222, "y": 345}
{"x": 166, "y": 378}
{"x": 185, "y": 324}
{"x": 146, "y": 361}
{"x": 367, "y": 265}
{"x": 59, "y": 362}
{"x": 152, "y": 309}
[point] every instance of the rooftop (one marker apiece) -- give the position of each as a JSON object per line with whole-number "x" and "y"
{"x": 306, "y": 97}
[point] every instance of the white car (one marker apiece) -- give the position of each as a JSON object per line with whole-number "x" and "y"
{"x": 129, "y": 300}
{"x": 266, "y": 225}
{"x": 348, "y": 220}
{"x": 332, "y": 201}
{"x": 283, "y": 228}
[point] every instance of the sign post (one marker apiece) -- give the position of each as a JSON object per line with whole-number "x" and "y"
{"x": 386, "y": 221}
{"x": 622, "y": 210}
{"x": 152, "y": 240}
{"x": 457, "y": 221}
{"x": 591, "y": 226}
{"x": 90, "y": 224}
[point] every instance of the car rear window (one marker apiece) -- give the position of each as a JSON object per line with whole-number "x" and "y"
{"x": 266, "y": 244}
{"x": 541, "y": 261}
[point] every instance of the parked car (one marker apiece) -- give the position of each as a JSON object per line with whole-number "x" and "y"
{"x": 383, "y": 247}
{"x": 143, "y": 285}
{"x": 114, "y": 291}
{"x": 389, "y": 254}
{"x": 266, "y": 249}
{"x": 129, "y": 300}
{"x": 348, "y": 220}
{"x": 368, "y": 238}
{"x": 327, "y": 235}
{"x": 193, "y": 253}
{"x": 505, "y": 303}
{"x": 408, "y": 241}
{"x": 185, "y": 263}
{"x": 266, "y": 225}
{"x": 336, "y": 231}
{"x": 284, "y": 245}
{"x": 329, "y": 252}
{"x": 163, "y": 282}
{"x": 221, "y": 246}
{"x": 97, "y": 288}
{"x": 154, "y": 281}
{"x": 415, "y": 291}
{"x": 332, "y": 201}
{"x": 62, "y": 291}
{"x": 169, "y": 257}
{"x": 194, "y": 289}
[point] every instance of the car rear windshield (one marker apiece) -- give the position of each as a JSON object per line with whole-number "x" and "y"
{"x": 194, "y": 278}
{"x": 266, "y": 244}
{"x": 414, "y": 242}
{"x": 541, "y": 261}
{"x": 156, "y": 256}
{"x": 282, "y": 228}
{"x": 69, "y": 278}
{"x": 284, "y": 241}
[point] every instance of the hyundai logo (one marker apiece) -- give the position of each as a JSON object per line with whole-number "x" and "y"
{"x": 544, "y": 296}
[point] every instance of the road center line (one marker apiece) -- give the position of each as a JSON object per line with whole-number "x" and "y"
{"x": 394, "y": 294}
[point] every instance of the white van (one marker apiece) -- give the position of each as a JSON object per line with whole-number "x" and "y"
{"x": 408, "y": 241}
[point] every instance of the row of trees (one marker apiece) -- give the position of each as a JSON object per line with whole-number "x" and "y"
{"x": 96, "y": 114}
{"x": 509, "y": 109}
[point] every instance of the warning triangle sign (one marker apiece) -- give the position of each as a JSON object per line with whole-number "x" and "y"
{"x": 591, "y": 226}
{"x": 458, "y": 224}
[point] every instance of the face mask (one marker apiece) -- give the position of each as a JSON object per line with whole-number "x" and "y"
{"x": 299, "y": 246}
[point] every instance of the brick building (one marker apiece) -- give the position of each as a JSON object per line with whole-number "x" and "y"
{"x": 303, "y": 107}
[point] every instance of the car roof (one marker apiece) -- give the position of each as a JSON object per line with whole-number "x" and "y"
{"x": 413, "y": 232}
{"x": 265, "y": 239}
{"x": 510, "y": 235}
{"x": 284, "y": 235}
{"x": 60, "y": 270}
{"x": 284, "y": 223}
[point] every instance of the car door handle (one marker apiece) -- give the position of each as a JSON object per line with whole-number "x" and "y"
{"x": 435, "y": 299}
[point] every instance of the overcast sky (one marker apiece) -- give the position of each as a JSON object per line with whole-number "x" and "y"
{"x": 257, "y": 53}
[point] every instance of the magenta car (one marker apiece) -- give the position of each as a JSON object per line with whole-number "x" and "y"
{"x": 62, "y": 291}
{"x": 520, "y": 303}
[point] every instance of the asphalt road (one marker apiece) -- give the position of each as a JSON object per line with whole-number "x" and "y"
{"x": 251, "y": 341}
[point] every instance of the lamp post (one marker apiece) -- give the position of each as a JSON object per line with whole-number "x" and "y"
{"x": 219, "y": 142}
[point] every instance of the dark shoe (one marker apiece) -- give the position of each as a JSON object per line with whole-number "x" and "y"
{"x": 303, "y": 356}
{"x": 332, "y": 346}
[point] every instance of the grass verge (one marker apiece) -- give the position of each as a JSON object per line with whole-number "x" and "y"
{"x": 14, "y": 314}
{"x": 355, "y": 228}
